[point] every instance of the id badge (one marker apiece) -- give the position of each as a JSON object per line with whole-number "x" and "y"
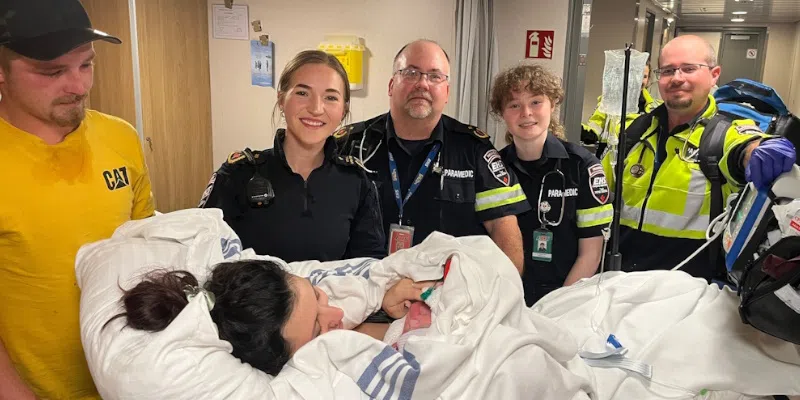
{"x": 542, "y": 245}
{"x": 400, "y": 237}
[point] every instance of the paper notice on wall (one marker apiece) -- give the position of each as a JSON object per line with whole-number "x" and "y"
{"x": 262, "y": 65}
{"x": 586, "y": 20}
{"x": 230, "y": 23}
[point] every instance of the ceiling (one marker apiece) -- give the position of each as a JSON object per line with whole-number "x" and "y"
{"x": 721, "y": 11}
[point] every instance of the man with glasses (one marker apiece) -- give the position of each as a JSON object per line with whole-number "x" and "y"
{"x": 434, "y": 173}
{"x": 665, "y": 194}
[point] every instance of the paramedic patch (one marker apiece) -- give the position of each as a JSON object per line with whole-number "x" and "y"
{"x": 498, "y": 170}
{"x": 598, "y": 186}
{"x": 692, "y": 153}
{"x": 557, "y": 193}
{"x": 459, "y": 173}
{"x": 497, "y": 167}
{"x": 491, "y": 155}
{"x": 751, "y": 129}
{"x": 207, "y": 192}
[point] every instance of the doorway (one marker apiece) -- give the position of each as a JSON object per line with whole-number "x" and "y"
{"x": 741, "y": 55}
{"x": 158, "y": 80}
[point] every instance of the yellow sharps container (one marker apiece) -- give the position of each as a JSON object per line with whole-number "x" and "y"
{"x": 350, "y": 52}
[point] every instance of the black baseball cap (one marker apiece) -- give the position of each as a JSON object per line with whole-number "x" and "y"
{"x": 46, "y": 29}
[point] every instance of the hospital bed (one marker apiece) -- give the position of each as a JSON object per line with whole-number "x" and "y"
{"x": 681, "y": 338}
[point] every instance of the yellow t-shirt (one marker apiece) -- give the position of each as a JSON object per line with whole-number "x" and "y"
{"x": 56, "y": 198}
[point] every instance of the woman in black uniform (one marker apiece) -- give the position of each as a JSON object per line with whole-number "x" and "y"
{"x": 565, "y": 184}
{"x": 298, "y": 200}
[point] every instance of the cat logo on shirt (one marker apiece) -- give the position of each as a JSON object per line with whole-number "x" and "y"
{"x": 116, "y": 178}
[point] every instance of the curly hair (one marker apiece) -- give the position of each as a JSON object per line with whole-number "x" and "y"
{"x": 531, "y": 78}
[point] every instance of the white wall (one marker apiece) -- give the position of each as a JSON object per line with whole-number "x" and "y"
{"x": 241, "y": 113}
{"x": 513, "y": 18}
{"x": 778, "y": 60}
{"x": 794, "y": 87}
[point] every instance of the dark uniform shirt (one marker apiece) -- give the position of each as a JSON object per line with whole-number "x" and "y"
{"x": 585, "y": 194}
{"x": 333, "y": 215}
{"x": 466, "y": 184}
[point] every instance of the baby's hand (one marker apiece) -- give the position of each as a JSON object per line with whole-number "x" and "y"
{"x": 397, "y": 300}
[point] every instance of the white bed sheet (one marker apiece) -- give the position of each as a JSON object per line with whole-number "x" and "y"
{"x": 483, "y": 342}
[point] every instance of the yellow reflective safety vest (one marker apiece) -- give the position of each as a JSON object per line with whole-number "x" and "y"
{"x": 602, "y": 126}
{"x": 673, "y": 199}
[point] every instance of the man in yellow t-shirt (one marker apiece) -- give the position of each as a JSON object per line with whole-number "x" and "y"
{"x": 69, "y": 176}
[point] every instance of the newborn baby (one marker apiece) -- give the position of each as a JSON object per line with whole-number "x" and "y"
{"x": 416, "y": 322}
{"x": 418, "y": 319}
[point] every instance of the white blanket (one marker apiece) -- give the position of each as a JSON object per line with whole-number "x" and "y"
{"x": 483, "y": 342}
{"x": 687, "y": 330}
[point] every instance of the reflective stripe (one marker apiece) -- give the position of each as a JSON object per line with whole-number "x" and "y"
{"x": 697, "y": 183}
{"x": 631, "y": 213}
{"x": 499, "y": 197}
{"x": 594, "y": 127}
{"x": 695, "y": 223}
{"x": 666, "y": 224}
{"x": 601, "y": 215}
{"x": 692, "y": 224}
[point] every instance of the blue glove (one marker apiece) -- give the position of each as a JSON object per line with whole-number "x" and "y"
{"x": 769, "y": 160}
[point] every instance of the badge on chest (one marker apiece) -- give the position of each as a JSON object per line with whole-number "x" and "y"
{"x": 400, "y": 237}
{"x": 542, "y": 245}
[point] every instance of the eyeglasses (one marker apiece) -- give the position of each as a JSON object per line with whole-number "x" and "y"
{"x": 413, "y": 75}
{"x": 686, "y": 69}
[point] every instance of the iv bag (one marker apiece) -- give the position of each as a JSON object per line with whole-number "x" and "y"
{"x": 613, "y": 79}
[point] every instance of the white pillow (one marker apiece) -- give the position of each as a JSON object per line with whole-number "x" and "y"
{"x": 186, "y": 360}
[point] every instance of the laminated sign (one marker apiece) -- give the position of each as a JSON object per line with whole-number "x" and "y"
{"x": 539, "y": 44}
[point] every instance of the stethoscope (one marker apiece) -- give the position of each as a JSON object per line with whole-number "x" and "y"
{"x": 544, "y": 206}
{"x": 637, "y": 169}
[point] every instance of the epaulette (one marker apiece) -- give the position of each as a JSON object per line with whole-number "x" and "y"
{"x": 360, "y": 137}
{"x": 350, "y": 160}
{"x": 252, "y": 157}
{"x": 235, "y": 157}
{"x": 478, "y": 132}
{"x": 342, "y": 132}
{"x": 453, "y": 124}
{"x": 353, "y": 129}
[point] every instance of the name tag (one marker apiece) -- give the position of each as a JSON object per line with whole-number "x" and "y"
{"x": 458, "y": 173}
{"x": 569, "y": 192}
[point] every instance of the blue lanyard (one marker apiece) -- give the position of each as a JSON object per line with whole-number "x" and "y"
{"x": 414, "y": 185}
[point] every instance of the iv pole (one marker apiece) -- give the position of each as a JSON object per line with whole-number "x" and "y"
{"x": 616, "y": 258}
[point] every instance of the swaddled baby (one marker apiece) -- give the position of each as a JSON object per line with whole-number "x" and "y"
{"x": 418, "y": 319}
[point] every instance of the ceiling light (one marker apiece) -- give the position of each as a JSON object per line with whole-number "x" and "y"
{"x": 737, "y": 19}
{"x": 739, "y": 12}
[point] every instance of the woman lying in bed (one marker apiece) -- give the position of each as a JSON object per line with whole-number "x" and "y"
{"x": 263, "y": 311}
